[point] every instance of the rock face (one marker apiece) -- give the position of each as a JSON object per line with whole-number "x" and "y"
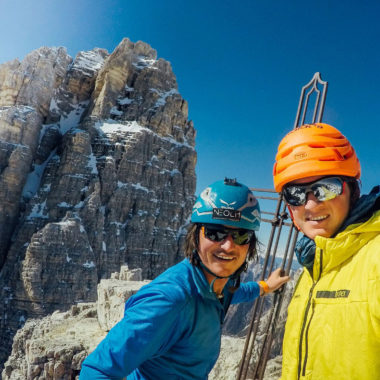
{"x": 97, "y": 170}
{"x": 112, "y": 294}
{"x": 53, "y": 348}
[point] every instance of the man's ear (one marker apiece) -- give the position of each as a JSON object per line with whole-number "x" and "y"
{"x": 291, "y": 215}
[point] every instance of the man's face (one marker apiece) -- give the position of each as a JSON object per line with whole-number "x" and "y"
{"x": 222, "y": 258}
{"x": 321, "y": 218}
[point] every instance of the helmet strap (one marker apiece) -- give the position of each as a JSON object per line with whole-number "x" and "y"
{"x": 212, "y": 273}
{"x": 235, "y": 275}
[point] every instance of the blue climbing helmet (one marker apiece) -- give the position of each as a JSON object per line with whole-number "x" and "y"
{"x": 229, "y": 203}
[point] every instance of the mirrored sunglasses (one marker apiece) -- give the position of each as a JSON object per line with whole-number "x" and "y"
{"x": 323, "y": 189}
{"x": 218, "y": 233}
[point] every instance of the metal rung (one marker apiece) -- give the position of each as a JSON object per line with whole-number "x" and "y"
{"x": 263, "y": 190}
{"x": 270, "y": 198}
{"x": 268, "y": 213}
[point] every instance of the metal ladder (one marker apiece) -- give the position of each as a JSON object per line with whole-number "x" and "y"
{"x": 278, "y": 220}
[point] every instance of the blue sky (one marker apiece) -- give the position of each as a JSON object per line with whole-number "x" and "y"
{"x": 239, "y": 64}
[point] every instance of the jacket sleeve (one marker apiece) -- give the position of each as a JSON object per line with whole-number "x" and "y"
{"x": 247, "y": 291}
{"x": 149, "y": 328}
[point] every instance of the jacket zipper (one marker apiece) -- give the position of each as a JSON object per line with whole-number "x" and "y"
{"x": 307, "y": 341}
{"x": 302, "y": 332}
{"x": 306, "y": 325}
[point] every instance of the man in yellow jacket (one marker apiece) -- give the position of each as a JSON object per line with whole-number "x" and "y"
{"x": 333, "y": 325}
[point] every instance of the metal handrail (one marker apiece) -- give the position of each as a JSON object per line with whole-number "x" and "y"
{"x": 278, "y": 222}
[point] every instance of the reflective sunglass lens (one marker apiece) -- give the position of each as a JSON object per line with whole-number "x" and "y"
{"x": 295, "y": 195}
{"x": 244, "y": 237}
{"x": 214, "y": 234}
{"x": 329, "y": 189}
{"x": 219, "y": 234}
{"x": 324, "y": 190}
{"x": 323, "y": 193}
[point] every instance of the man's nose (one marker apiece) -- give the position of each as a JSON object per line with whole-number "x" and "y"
{"x": 228, "y": 243}
{"x": 311, "y": 200}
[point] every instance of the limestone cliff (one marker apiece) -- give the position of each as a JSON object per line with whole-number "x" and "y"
{"x": 53, "y": 348}
{"x": 97, "y": 170}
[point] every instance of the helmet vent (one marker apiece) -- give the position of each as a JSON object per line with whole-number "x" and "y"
{"x": 335, "y": 136}
{"x": 349, "y": 154}
{"x": 286, "y": 153}
{"x": 316, "y": 146}
{"x": 340, "y": 157}
{"x": 328, "y": 159}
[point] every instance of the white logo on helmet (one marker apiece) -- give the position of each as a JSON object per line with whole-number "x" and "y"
{"x": 227, "y": 205}
{"x": 208, "y": 196}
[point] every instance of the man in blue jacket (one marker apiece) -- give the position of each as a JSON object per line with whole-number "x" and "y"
{"x": 172, "y": 327}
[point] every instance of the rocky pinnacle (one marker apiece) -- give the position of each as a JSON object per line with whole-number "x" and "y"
{"x": 97, "y": 170}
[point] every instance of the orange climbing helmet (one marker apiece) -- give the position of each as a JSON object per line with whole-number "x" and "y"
{"x": 313, "y": 150}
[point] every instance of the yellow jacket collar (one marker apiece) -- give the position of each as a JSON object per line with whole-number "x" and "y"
{"x": 331, "y": 252}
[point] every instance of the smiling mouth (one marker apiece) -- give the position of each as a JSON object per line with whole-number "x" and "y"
{"x": 317, "y": 218}
{"x": 223, "y": 257}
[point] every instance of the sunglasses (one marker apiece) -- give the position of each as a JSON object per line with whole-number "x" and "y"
{"x": 218, "y": 233}
{"x": 323, "y": 189}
